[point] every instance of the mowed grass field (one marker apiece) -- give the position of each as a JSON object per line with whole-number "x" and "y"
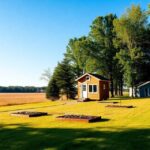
{"x": 21, "y": 98}
{"x": 120, "y": 128}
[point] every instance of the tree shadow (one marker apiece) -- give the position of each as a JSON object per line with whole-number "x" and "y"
{"x": 127, "y": 98}
{"x": 25, "y": 137}
{"x": 31, "y": 108}
{"x": 104, "y": 119}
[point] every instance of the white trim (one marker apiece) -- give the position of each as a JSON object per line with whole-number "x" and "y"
{"x": 144, "y": 83}
{"x": 84, "y": 91}
{"x": 92, "y": 76}
{"x": 81, "y": 76}
{"x": 89, "y": 78}
{"x": 89, "y": 75}
{"x": 92, "y": 89}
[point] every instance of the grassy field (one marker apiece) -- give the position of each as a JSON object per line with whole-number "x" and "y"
{"x": 21, "y": 98}
{"x": 120, "y": 129}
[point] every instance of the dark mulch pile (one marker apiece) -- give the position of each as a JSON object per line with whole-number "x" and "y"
{"x": 29, "y": 113}
{"x": 120, "y": 106}
{"x": 80, "y": 118}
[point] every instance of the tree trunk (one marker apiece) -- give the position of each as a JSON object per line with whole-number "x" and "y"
{"x": 132, "y": 90}
{"x": 112, "y": 86}
{"x": 116, "y": 88}
{"x": 121, "y": 87}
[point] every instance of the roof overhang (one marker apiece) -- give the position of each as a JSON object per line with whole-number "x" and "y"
{"x": 144, "y": 84}
{"x": 91, "y": 76}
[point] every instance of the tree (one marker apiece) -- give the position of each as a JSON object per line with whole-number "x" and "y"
{"x": 65, "y": 78}
{"x": 52, "y": 90}
{"x": 73, "y": 56}
{"x": 81, "y": 54}
{"x": 102, "y": 34}
{"x": 62, "y": 81}
{"x": 129, "y": 28}
{"x": 46, "y": 75}
{"x": 148, "y": 11}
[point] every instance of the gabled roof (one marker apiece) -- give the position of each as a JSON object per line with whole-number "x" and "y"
{"x": 99, "y": 77}
{"x": 143, "y": 84}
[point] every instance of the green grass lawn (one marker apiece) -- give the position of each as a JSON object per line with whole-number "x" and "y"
{"x": 120, "y": 129}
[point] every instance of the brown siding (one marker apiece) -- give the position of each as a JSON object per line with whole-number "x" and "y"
{"x": 104, "y": 93}
{"x": 92, "y": 81}
{"x": 101, "y": 93}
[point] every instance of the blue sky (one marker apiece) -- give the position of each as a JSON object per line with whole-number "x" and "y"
{"x": 34, "y": 33}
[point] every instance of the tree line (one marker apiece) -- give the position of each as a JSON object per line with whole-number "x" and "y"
{"x": 116, "y": 47}
{"x": 21, "y": 89}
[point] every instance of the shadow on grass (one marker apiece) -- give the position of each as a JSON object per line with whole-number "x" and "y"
{"x": 104, "y": 120}
{"x": 30, "y": 108}
{"x": 127, "y": 98}
{"x": 27, "y": 138}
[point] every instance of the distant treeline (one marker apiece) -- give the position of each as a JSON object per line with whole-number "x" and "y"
{"x": 21, "y": 89}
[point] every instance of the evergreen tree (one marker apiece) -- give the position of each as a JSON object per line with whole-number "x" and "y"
{"x": 52, "y": 91}
{"x": 65, "y": 78}
{"x": 62, "y": 81}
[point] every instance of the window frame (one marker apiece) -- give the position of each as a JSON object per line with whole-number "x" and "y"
{"x": 93, "y": 88}
{"x": 87, "y": 78}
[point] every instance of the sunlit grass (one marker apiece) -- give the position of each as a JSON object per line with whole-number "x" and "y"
{"x": 55, "y": 134}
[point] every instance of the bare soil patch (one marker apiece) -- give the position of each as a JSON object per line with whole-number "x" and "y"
{"x": 29, "y": 114}
{"x": 82, "y": 118}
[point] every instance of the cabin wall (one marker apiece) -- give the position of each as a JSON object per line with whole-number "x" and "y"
{"x": 145, "y": 91}
{"x": 91, "y": 81}
{"x": 104, "y": 90}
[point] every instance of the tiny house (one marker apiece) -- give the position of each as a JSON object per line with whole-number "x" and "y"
{"x": 93, "y": 87}
{"x": 141, "y": 90}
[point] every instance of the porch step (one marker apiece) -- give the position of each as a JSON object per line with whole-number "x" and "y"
{"x": 83, "y": 100}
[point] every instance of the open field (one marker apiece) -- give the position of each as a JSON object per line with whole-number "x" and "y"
{"x": 120, "y": 129}
{"x": 21, "y": 98}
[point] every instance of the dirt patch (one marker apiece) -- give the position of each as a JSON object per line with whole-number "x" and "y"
{"x": 82, "y": 118}
{"x": 28, "y": 114}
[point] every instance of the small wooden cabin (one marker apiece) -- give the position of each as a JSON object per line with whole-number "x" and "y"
{"x": 93, "y": 87}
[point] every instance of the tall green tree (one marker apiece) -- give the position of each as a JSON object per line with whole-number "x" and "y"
{"x": 129, "y": 28}
{"x": 81, "y": 53}
{"x": 62, "y": 81}
{"x": 65, "y": 79}
{"x": 102, "y": 34}
{"x": 52, "y": 90}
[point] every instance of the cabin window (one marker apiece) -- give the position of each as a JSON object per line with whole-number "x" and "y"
{"x": 92, "y": 88}
{"x": 87, "y": 77}
{"x": 83, "y": 87}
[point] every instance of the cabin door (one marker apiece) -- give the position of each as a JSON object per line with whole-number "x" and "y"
{"x": 84, "y": 91}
